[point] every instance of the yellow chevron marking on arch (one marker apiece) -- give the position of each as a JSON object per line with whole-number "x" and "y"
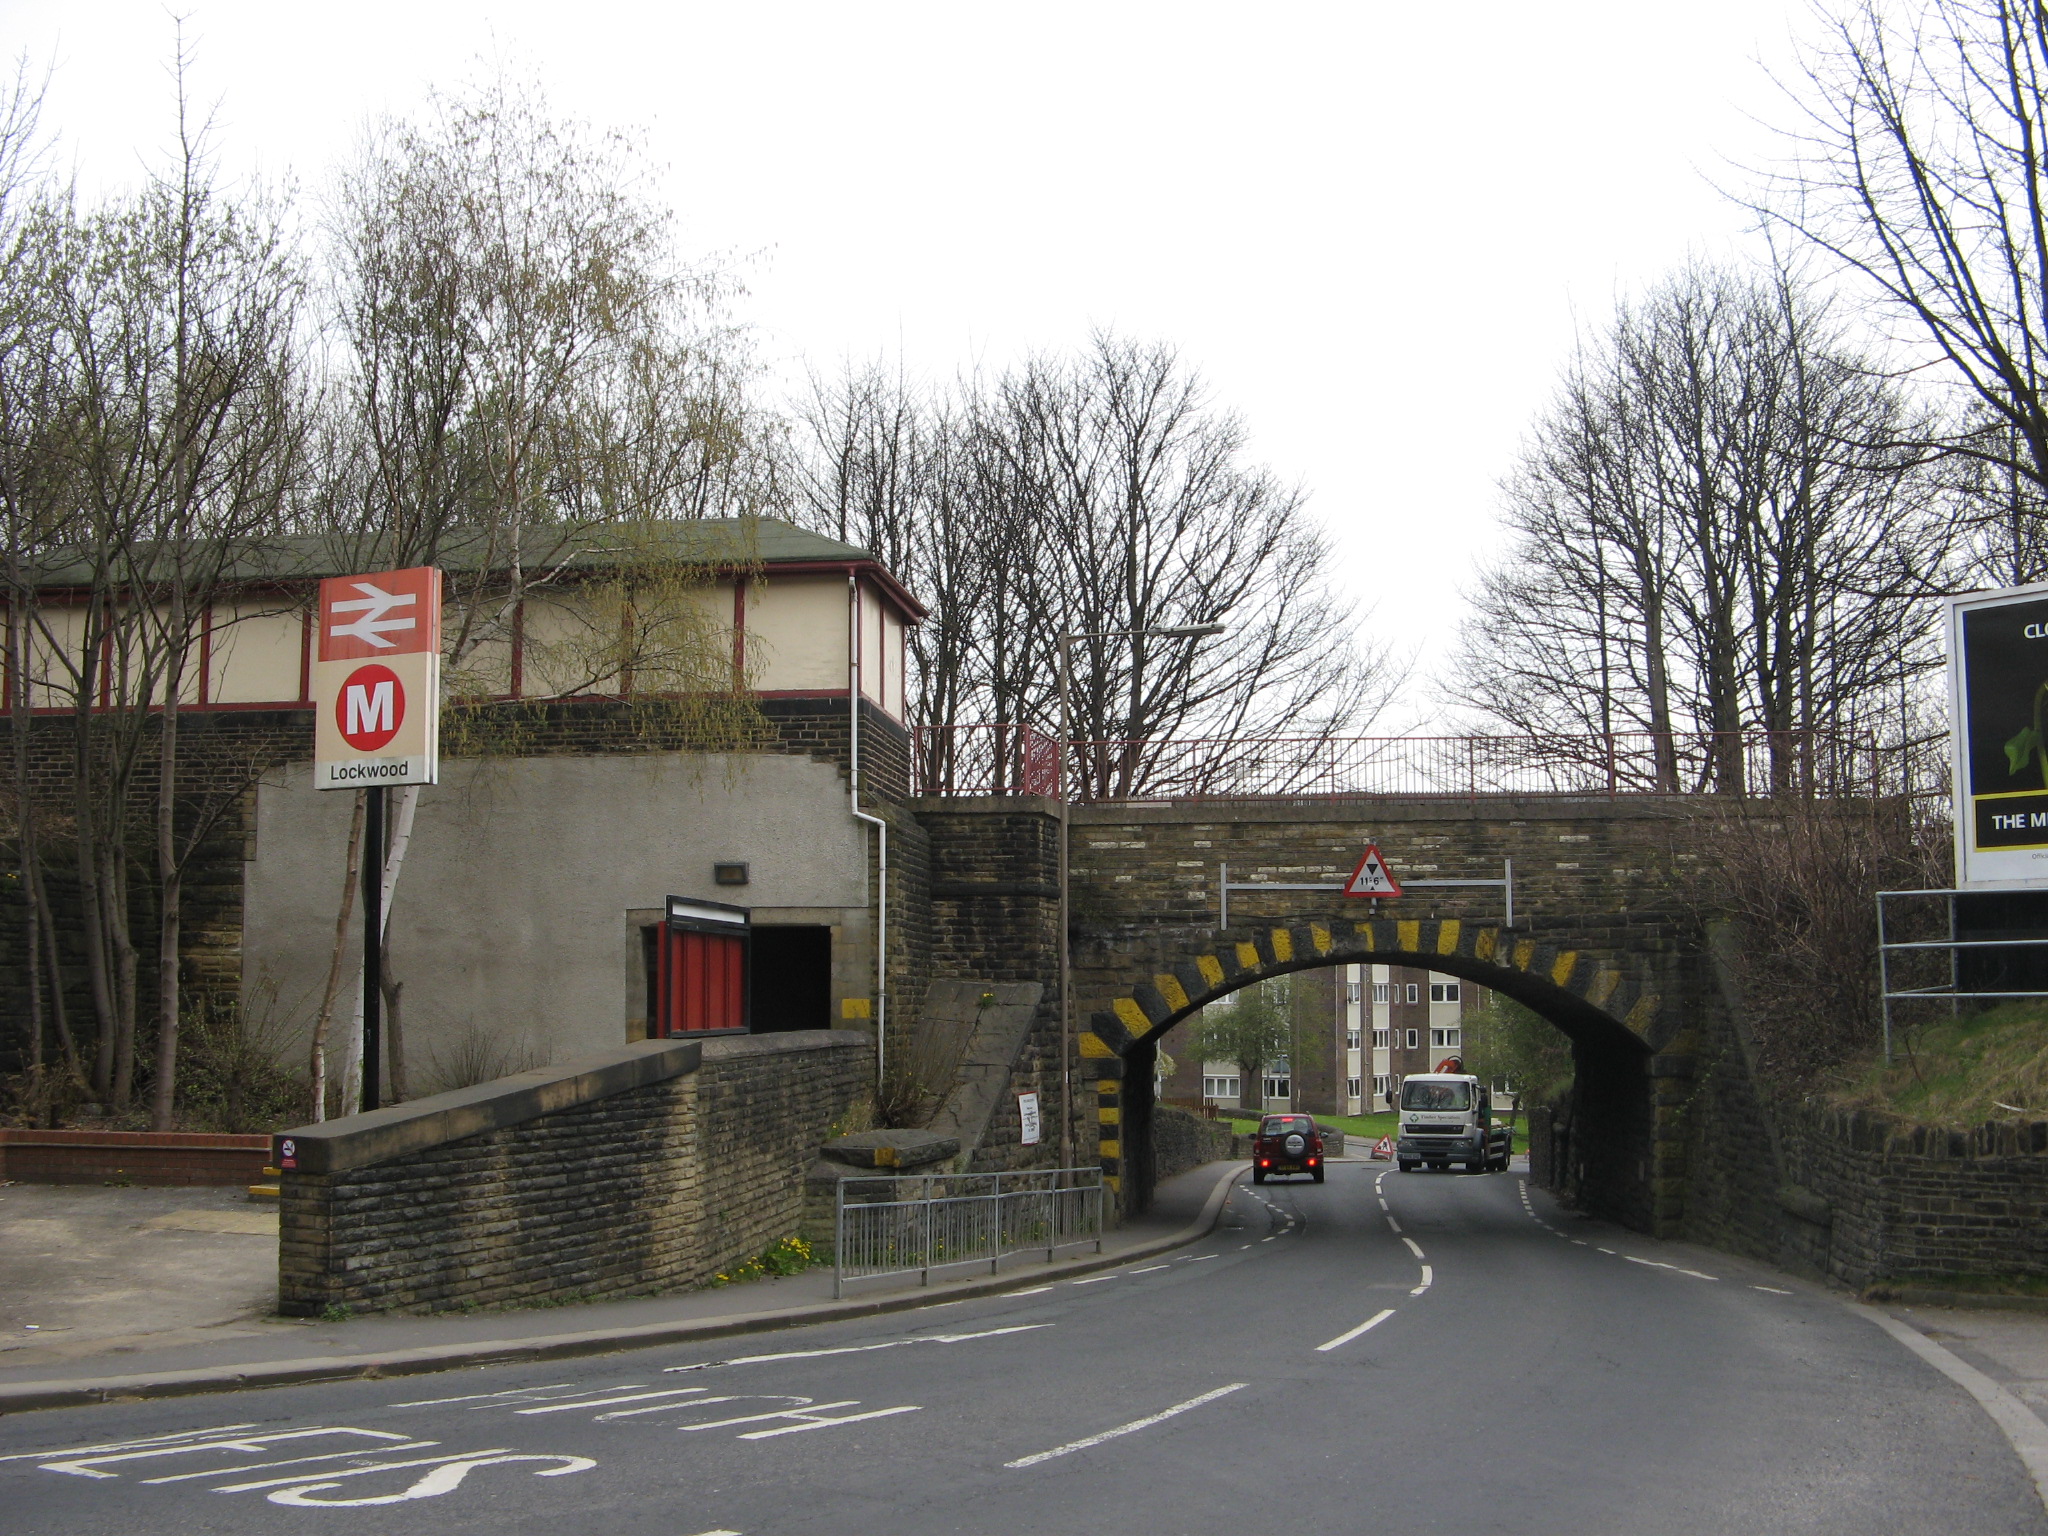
{"x": 1170, "y": 988}
{"x": 1447, "y": 936}
{"x": 1092, "y": 1045}
{"x": 1525, "y": 951}
{"x": 1603, "y": 988}
{"x": 1645, "y": 1010}
{"x": 1567, "y": 962}
{"x": 1211, "y": 969}
{"x": 1483, "y": 943}
{"x": 1107, "y": 1085}
{"x": 1321, "y": 936}
{"x": 1109, "y": 1117}
{"x": 1248, "y": 957}
{"x": 1364, "y": 931}
{"x": 1408, "y": 934}
{"x": 1283, "y": 944}
{"x": 1109, "y": 1147}
{"x": 1113, "y": 1183}
{"x": 1132, "y": 1017}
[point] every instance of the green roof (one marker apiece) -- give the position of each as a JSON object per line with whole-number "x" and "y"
{"x": 719, "y": 541}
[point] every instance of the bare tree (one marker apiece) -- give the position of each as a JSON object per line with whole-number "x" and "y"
{"x": 1101, "y": 496}
{"x": 1918, "y": 164}
{"x": 1714, "y": 533}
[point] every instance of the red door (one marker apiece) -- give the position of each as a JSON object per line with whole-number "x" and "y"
{"x": 701, "y": 981}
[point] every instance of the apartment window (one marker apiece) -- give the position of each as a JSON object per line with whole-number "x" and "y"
{"x": 1352, "y": 1039}
{"x": 1414, "y": 992}
{"x": 1351, "y": 1087}
{"x": 1279, "y": 1087}
{"x": 1220, "y": 1087}
{"x": 1383, "y": 1087}
{"x": 1354, "y": 991}
{"x": 1443, "y": 991}
{"x": 1452, "y": 1038}
{"x": 1382, "y": 1039}
{"x": 1382, "y": 992}
{"x": 1413, "y": 1039}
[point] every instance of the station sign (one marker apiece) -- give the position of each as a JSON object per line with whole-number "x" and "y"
{"x": 1998, "y": 704}
{"x": 377, "y": 680}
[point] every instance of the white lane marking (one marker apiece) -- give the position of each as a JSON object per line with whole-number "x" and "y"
{"x": 1772, "y": 1289}
{"x": 606, "y": 1402}
{"x": 482, "y": 1397}
{"x": 705, "y": 1402}
{"x": 1676, "y": 1269}
{"x": 362, "y": 1471}
{"x": 1127, "y": 1429}
{"x": 1036, "y": 1290}
{"x": 1428, "y": 1275}
{"x": 1197, "y": 1258}
{"x": 255, "y": 1445}
{"x": 1610, "y": 1250}
{"x": 1394, "y": 1224}
{"x": 1412, "y": 1248}
{"x": 1351, "y": 1333}
{"x": 2026, "y": 1433}
{"x": 1148, "y": 1269}
{"x": 851, "y": 1418}
{"x": 129, "y": 1445}
{"x": 1242, "y": 1246}
{"x": 762, "y": 1418}
{"x": 1095, "y": 1279}
{"x": 1384, "y": 1206}
{"x": 862, "y": 1349}
{"x": 1268, "y": 1239}
{"x": 290, "y": 1461}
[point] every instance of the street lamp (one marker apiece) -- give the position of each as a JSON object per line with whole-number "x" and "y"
{"x": 1066, "y": 677}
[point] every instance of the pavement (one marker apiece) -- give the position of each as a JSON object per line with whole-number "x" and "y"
{"x": 87, "y": 1270}
{"x": 160, "y": 1292}
{"x": 1434, "y": 1352}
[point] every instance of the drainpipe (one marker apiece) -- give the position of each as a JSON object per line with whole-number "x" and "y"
{"x": 882, "y": 864}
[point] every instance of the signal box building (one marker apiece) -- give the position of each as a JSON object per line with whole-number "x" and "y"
{"x": 531, "y": 917}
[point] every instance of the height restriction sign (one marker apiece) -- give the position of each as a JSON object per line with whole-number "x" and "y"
{"x": 377, "y": 680}
{"x": 1372, "y": 877}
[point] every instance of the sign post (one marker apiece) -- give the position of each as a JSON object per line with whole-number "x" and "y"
{"x": 377, "y": 722}
{"x": 1998, "y": 686}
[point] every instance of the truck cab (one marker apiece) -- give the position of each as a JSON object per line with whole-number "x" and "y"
{"x": 1447, "y": 1117}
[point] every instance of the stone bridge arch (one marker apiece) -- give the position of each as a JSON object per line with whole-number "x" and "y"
{"x": 1625, "y": 1149}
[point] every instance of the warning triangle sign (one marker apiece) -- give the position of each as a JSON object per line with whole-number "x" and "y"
{"x": 1372, "y": 877}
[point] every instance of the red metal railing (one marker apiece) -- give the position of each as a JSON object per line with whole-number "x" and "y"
{"x": 1019, "y": 760}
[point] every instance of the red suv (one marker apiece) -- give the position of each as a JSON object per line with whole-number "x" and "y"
{"x": 1287, "y": 1144}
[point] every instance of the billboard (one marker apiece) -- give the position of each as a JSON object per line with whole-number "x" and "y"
{"x": 1998, "y": 706}
{"x": 377, "y": 680}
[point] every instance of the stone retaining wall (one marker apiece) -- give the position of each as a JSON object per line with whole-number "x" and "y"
{"x": 647, "y": 1168}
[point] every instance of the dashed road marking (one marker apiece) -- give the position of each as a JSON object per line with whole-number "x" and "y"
{"x": 1351, "y": 1333}
{"x": 1126, "y": 1429}
{"x": 1413, "y": 1247}
{"x": 1675, "y": 1268}
{"x": 858, "y": 1349}
{"x": 1428, "y": 1275}
{"x": 1095, "y": 1279}
{"x": 1773, "y": 1290}
{"x": 1148, "y": 1269}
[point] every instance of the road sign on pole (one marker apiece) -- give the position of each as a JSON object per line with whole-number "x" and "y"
{"x": 377, "y": 680}
{"x": 1372, "y": 877}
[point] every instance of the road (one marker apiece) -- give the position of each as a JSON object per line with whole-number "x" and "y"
{"x": 1526, "y": 1370}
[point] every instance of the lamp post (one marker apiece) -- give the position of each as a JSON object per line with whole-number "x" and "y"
{"x": 1066, "y": 681}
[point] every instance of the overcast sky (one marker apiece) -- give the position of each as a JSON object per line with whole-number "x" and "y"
{"x": 1373, "y": 227}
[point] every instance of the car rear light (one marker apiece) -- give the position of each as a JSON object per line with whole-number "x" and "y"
{"x": 1265, "y": 1162}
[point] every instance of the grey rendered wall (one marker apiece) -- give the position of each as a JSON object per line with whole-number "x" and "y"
{"x": 512, "y": 912}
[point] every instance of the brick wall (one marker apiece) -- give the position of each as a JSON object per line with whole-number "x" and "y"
{"x": 131, "y": 1157}
{"x": 649, "y": 1168}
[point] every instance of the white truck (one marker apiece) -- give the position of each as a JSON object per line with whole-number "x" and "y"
{"x": 1447, "y": 1117}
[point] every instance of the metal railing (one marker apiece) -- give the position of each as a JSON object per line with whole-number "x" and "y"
{"x": 1948, "y": 951}
{"x": 915, "y": 1223}
{"x": 1019, "y": 760}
